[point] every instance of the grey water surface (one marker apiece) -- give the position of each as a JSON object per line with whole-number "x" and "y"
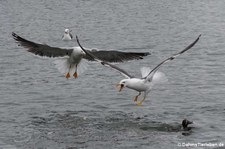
{"x": 40, "y": 108}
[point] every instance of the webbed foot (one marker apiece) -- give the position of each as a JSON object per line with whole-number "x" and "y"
{"x": 68, "y": 75}
{"x": 75, "y": 75}
{"x": 139, "y": 103}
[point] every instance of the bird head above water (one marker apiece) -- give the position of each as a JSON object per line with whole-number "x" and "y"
{"x": 185, "y": 124}
{"x": 67, "y": 31}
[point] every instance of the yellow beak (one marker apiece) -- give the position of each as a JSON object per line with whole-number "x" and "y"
{"x": 119, "y": 87}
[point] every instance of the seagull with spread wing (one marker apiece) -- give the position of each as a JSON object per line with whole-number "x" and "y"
{"x": 143, "y": 84}
{"x": 70, "y": 58}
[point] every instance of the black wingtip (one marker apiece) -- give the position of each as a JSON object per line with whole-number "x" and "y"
{"x": 198, "y": 37}
{"x": 78, "y": 42}
{"x": 195, "y": 41}
{"x": 14, "y": 35}
{"x": 142, "y": 54}
{"x": 147, "y": 53}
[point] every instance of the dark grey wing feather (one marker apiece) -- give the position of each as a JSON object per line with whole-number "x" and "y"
{"x": 121, "y": 71}
{"x": 112, "y": 56}
{"x": 117, "y": 56}
{"x": 153, "y": 71}
{"x": 41, "y": 49}
{"x": 71, "y": 35}
{"x": 94, "y": 58}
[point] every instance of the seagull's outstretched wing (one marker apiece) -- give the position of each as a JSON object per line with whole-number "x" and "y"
{"x": 117, "y": 56}
{"x": 153, "y": 71}
{"x": 121, "y": 71}
{"x": 41, "y": 49}
{"x": 95, "y": 58}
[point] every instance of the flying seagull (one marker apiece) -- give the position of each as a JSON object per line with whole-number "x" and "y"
{"x": 70, "y": 58}
{"x": 143, "y": 84}
{"x": 67, "y": 35}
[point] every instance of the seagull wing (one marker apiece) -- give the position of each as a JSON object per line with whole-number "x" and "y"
{"x": 120, "y": 70}
{"x": 41, "y": 49}
{"x": 116, "y": 56}
{"x": 95, "y": 58}
{"x": 71, "y": 35}
{"x": 153, "y": 71}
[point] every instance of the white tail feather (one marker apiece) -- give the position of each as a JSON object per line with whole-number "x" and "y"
{"x": 82, "y": 66}
{"x": 63, "y": 65}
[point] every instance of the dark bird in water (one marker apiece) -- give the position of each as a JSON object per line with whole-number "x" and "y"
{"x": 185, "y": 124}
{"x": 186, "y": 130}
{"x": 180, "y": 127}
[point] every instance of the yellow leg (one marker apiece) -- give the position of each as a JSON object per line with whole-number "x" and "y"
{"x": 68, "y": 75}
{"x": 136, "y": 97}
{"x": 140, "y": 102}
{"x": 75, "y": 75}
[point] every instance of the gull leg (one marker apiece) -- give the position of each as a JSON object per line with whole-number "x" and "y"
{"x": 75, "y": 75}
{"x": 136, "y": 97}
{"x": 145, "y": 94}
{"x": 140, "y": 102}
{"x": 68, "y": 73}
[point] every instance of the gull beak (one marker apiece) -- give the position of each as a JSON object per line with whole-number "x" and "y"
{"x": 119, "y": 87}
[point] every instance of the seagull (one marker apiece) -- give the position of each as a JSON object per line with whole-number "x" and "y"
{"x": 67, "y": 35}
{"x": 143, "y": 84}
{"x": 70, "y": 58}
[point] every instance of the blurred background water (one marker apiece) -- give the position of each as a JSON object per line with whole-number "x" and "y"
{"x": 39, "y": 108}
